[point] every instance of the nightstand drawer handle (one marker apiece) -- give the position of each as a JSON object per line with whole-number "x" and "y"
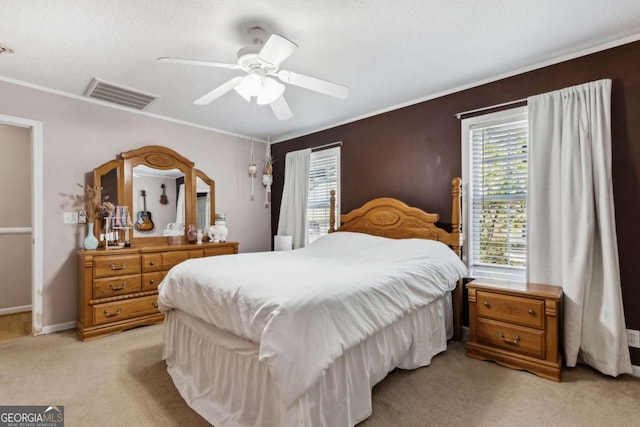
{"x": 122, "y": 266}
{"x": 152, "y": 263}
{"x": 514, "y": 341}
{"x": 118, "y": 288}
{"x": 486, "y": 304}
{"x": 108, "y": 314}
{"x": 531, "y": 312}
{"x": 155, "y": 304}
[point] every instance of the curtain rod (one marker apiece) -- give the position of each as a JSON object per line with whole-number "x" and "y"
{"x": 504, "y": 104}
{"x": 325, "y": 146}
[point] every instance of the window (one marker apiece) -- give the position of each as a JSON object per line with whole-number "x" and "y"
{"x": 324, "y": 176}
{"x": 495, "y": 149}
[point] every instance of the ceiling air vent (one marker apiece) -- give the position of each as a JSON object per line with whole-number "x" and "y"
{"x": 119, "y": 95}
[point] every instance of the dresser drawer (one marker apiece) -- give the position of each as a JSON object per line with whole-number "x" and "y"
{"x": 220, "y": 250}
{"x": 196, "y": 253}
{"x": 150, "y": 281}
{"x": 116, "y": 265}
{"x": 512, "y": 309}
{"x": 151, "y": 262}
{"x": 514, "y": 338}
{"x": 114, "y": 286}
{"x": 126, "y": 309}
{"x": 169, "y": 259}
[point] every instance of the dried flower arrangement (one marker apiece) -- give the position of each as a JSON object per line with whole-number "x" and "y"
{"x": 90, "y": 201}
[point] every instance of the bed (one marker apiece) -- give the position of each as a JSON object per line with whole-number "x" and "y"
{"x": 299, "y": 338}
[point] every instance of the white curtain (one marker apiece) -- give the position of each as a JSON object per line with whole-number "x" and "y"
{"x": 571, "y": 223}
{"x": 293, "y": 209}
{"x": 180, "y": 205}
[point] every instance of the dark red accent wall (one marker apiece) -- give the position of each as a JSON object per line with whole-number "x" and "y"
{"x": 413, "y": 153}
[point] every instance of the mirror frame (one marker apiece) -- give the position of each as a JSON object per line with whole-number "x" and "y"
{"x": 98, "y": 173}
{"x": 157, "y": 157}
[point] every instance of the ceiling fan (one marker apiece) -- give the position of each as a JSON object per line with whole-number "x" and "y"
{"x": 261, "y": 62}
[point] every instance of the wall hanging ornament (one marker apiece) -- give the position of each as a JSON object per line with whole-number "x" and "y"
{"x": 267, "y": 174}
{"x": 253, "y": 169}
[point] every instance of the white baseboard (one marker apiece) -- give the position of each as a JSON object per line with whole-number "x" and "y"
{"x": 59, "y": 327}
{"x": 13, "y": 310}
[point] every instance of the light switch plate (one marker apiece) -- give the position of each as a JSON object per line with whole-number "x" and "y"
{"x": 70, "y": 217}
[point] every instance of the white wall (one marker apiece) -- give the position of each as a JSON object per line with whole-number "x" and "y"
{"x": 79, "y": 136}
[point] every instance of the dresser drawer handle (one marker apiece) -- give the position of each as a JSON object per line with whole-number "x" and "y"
{"x": 118, "y": 288}
{"x": 486, "y": 304}
{"x": 155, "y": 304}
{"x": 531, "y": 312}
{"x": 109, "y": 314}
{"x": 115, "y": 267}
{"x": 514, "y": 341}
{"x": 152, "y": 263}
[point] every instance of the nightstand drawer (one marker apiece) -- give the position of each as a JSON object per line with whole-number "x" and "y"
{"x": 510, "y": 337}
{"x": 114, "y": 286}
{"x": 116, "y": 265}
{"x": 126, "y": 309}
{"x": 523, "y": 311}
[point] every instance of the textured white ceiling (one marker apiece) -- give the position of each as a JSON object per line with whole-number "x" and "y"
{"x": 388, "y": 52}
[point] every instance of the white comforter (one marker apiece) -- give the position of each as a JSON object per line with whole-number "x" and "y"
{"x": 306, "y": 307}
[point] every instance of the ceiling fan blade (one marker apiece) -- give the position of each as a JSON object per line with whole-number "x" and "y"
{"x": 281, "y": 109}
{"x": 277, "y": 49}
{"x": 311, "y": 83}
{"x": 197, "y": 62}
{"x": 219, "y": 91}
{"x": 243, "y": 90}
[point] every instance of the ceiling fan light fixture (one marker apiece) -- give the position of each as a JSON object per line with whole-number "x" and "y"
{"x": 253, "y": 84}
{"x": 271, "y": 91}
{"x": 265, "y": 89}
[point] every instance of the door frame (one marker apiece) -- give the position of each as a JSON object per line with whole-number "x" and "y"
{"x": 37, "y": 228}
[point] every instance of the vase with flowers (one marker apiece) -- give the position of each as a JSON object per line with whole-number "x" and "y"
{"x": 95, "y": 208}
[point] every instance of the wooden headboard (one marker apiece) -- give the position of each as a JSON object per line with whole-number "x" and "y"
{"x": 387, "y": 217}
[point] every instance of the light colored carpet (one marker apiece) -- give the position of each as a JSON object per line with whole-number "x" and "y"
{"x": 122, "y": 380}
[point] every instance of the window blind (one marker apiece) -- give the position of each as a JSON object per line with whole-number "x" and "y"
{"x": 324, "y": 176}
{"x": 499, "y": 194}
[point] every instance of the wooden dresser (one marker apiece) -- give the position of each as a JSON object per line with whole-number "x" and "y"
{"x": 516, "y": 325}
{"x": 118, "y": 288}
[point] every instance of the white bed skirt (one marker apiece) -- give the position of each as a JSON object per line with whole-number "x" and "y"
{"x": 220, "y": 377}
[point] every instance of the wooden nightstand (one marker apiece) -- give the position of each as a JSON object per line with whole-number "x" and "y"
{"x": 517, "y": 325}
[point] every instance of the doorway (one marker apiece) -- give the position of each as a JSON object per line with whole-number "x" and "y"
{"x": 20, "y": 227}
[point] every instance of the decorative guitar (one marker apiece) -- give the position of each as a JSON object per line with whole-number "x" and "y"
{"x": 163, "y": 197}
{"x": 143, "y": 221}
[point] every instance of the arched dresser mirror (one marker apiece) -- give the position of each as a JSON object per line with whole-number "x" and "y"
{"x": 159, "y": 187}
